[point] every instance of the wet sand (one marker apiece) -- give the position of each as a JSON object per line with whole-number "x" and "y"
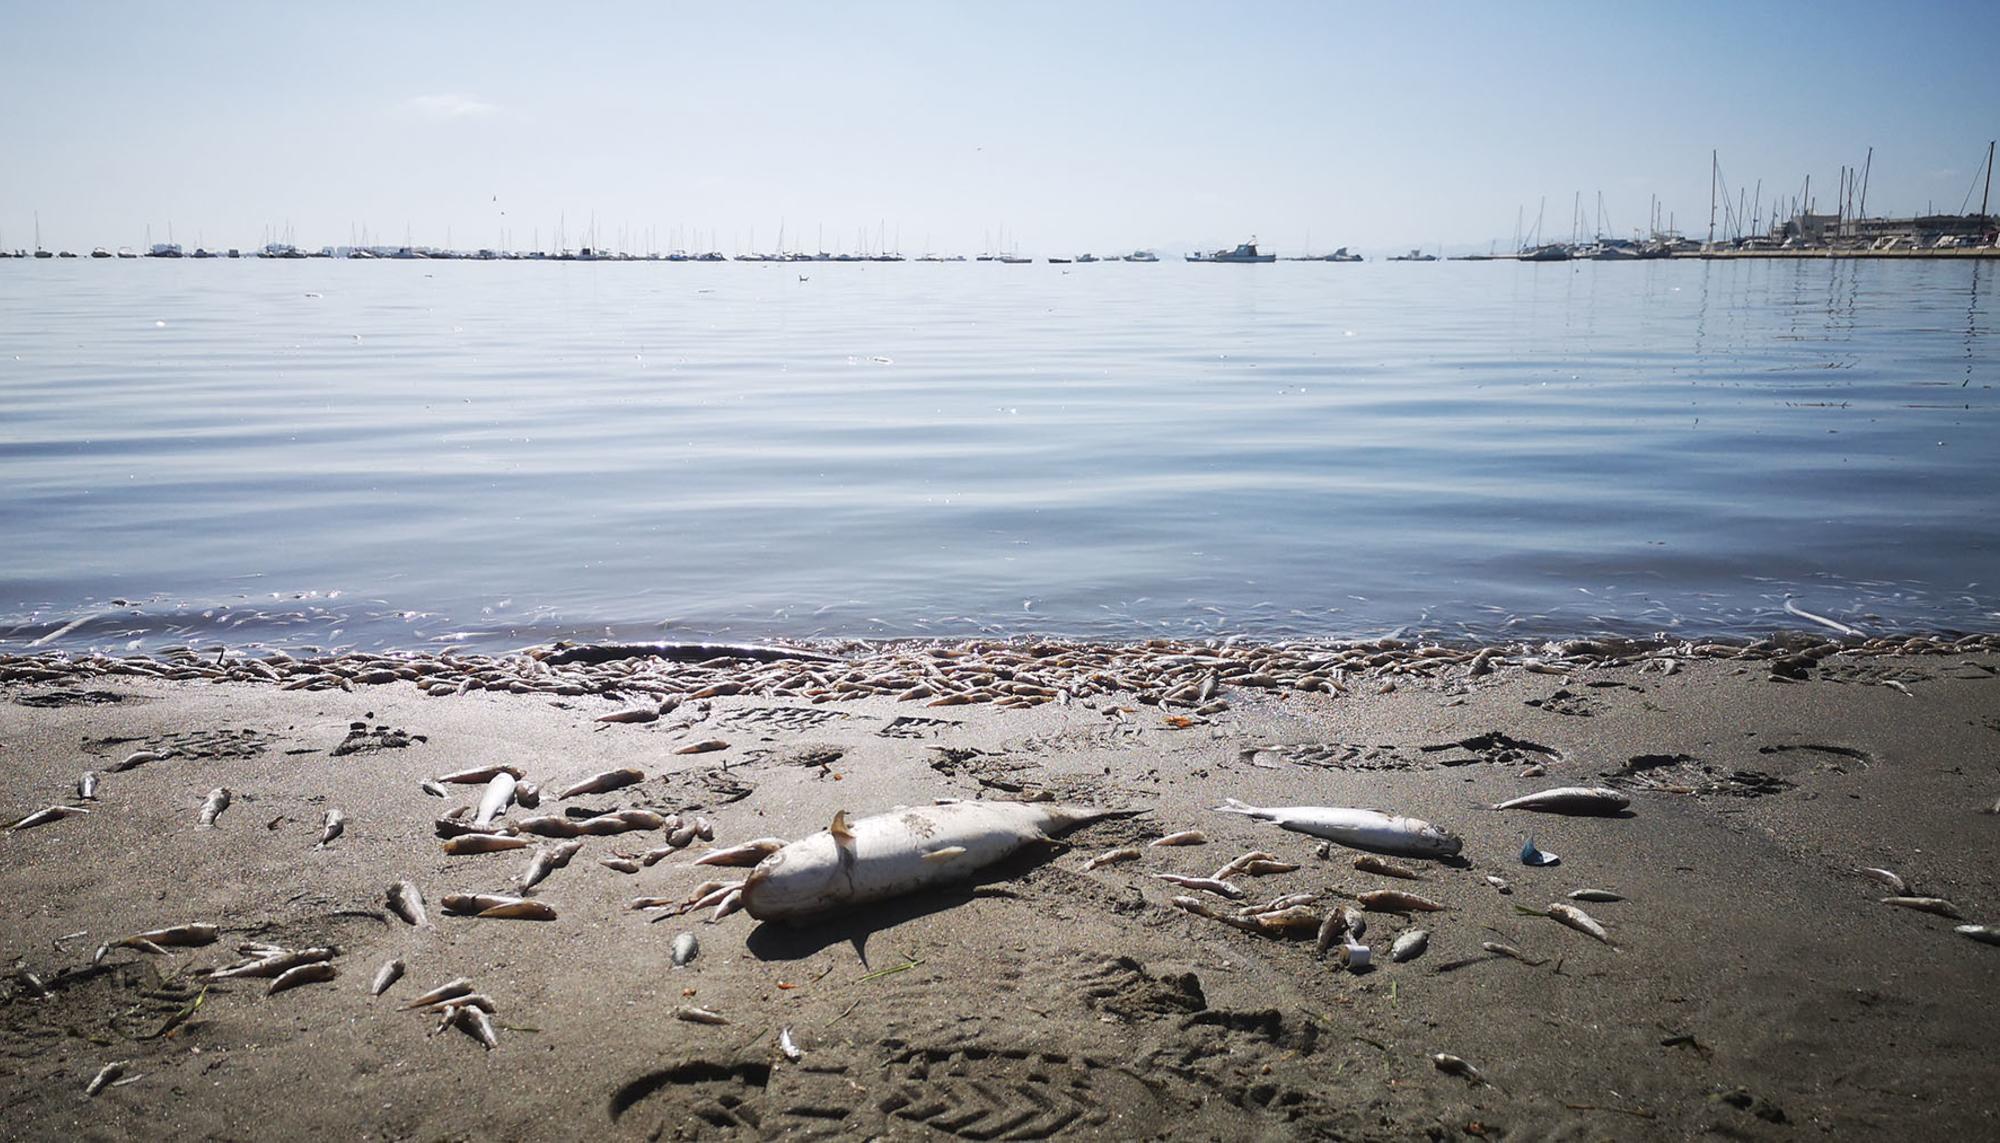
{"x": 1758, "y": 988}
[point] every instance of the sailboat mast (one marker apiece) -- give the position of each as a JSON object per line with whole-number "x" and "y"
{"x": 1713, "y": 173}
{"x": 1867, "y": 165}
{"x": 1988, "y": 192}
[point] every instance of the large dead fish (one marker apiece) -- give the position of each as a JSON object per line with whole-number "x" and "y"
{"x": 1599, "y": 800}
{"x": 601, "y": 783}
{"x": 904, "y": 850}
{"x": 499, "y": 795}
{"x": 1359, "y": 829}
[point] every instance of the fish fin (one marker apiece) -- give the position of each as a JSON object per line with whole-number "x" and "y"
{"x": 945, "y": 854}
{"x": 839, "y": 827}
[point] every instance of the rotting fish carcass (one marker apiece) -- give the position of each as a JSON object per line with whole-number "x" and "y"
{"x": 547, "y": 860}
{"x": 499, "y": 795}
{"x": 212, "y": 807}
{"x": 748, "y": 853}
{"x": 313, "y": 973}
{"x": 1588, "y": 800}
{"x": 602, "y": 783}
{"x": 331, "y": 827}
{"x": 390, "y": 972}
{"x": 1356, "y": 828}
{"x": 1111, "y": 857}
{"x": 1397, "y": 901}
{"x": 407, "y": 902}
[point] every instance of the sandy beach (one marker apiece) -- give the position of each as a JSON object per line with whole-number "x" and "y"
{"x": 1754, "y": 985}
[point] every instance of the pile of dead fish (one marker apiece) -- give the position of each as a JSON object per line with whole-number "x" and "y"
{"x": 1905, "y": 897}
{"x": 456, "y": 1003}
{"x": 999, "y": 672}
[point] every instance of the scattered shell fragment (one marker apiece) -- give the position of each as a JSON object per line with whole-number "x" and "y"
{"x": 432, "y": 788}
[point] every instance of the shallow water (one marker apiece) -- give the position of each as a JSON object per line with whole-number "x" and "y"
{"x": 403, "y": 454}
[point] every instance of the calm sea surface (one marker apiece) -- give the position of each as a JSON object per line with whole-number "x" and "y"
{"x": 409, "y": 454}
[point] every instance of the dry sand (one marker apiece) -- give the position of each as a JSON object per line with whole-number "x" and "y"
{"x": 1758, "y": 987}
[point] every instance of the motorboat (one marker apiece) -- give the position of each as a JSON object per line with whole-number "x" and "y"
{"x": 1245, "y": 252}
{"x": 1413, "y": 256}
{"x": 1141, "y": 256}
{"x": 1547, "y": 252}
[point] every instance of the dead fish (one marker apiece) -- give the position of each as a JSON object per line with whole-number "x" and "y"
{"x": 1985, "y": 934}
{"x": 477, "y": 1000}
{"x": 549, "y": 825}
{"x": 390, "y": 972}
{"x": 474, "y": 1022}
{"x": 180, "y": 936}
{"x": 647, "y": 819}
{"x": 312, "y": 973}
{"x": 1206, "y": 884}
{"x": 685, "y": 949}
{"x": 407, "y": 902}
{"x": 1499, "y": 883}
{"x": 457, "y": 986}
{"x": 1357, "y": 922}
{"x": 730, "y": 903}
{"x": 520, "y": 911}
{"x": 104, "y": 1077}
{"x": 748, "y": 853}
{"x": 527, "y": 795}
{"x": 275, "y": 963}
{"x": 1594, "y": 895}
{"x": 632, "y": 715}
{"x": 1112, "y": 857}
{"x": 1331, "y": 931}
{"x": 1410, "y": 945}
{"x": 703, "y": 747}
{"x": 499, "y": 795}
{"x": 1184, "y": 837}
{"x": 1279, "y": 904}
{"x": 787, "y": 1046}
{"x": 1579, "y": 920}
{"x": 547, "y": 860}
{"x": 332, "y": 826}
{"x": 86, "y": 786}
{"x": 212, "y": 807}
{"x": 138, "y": 758}
{"x": 1357, "y": 828}
{"x": 1453, "y": 1066}
{"x": 608, "y": 825}
{"x": 704, "y": 829}
{"x": 1532, "y": 856}
{"x": 473, "y": 904}
{"x": 658, "y": 854}
{"x": 1263, "y": 867}
{"x": 1368, "y": 863}
{"x": 51, "y": 814}
{"x": 471, "y": 843}
{"x": 695, "y": 1015}
{"x": 1598, "y": 800}
{"x": 449, "y": 827}
{"x": 1498, "y": 949}
{"x": 1397, "y": 901}
{"x": 480, "y": 775}
{"x": 601, "y": 783}
{"x": 1938, "y": 905}
{"x": 431, "y": 788}
{"x": 681, "y": 837}
{"x": 1238, "y": 865}
{"x": 1895, "y": 883}
{"x": 619, "y": 864}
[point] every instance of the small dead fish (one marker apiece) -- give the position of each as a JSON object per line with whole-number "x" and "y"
{"x": 647, "y": 819}
{"x": 86, "y": 786}
{"x": 275, "y": 963}
{"x": 407, "y": 902}
{"x": 1532, "y": 856}
{"x": 1938, "y": 905}
{"x": 609, "y": 825}
{"x": 1579, "y": 920}
{"x": 473, "y": 904}
{"x": 1984, "y": 934}
{"x": 431, "y": 788}
{"x": 499, "y": 795}
{"x": 212, "y": 807}
{"x": 1895, "y": 883}
{"x": 1410, "y": 945}
{"x": 1453, "y": 1066}
{"x": 748, "y": 853}
{"x": 332, "y": 826}
{"x": 520, "y": 911}
{"x": 1242, "y": 863}
{"x": 660, "y": 853}
{"x": 695, "y": 1015}
{"x": 730, "y": 903}
{"x": 1397, "y": 901}
{"x": 601, "y": 783}
{"x": 632, "y": 715}
{"x": 1569, "y": 800}
{"x": 527, "y": 795}
{"x": 480, "y": 775}
{"x": 548, "y": 860}
{"x": 457, "y": 986}
{"x": 1499, "y": 884}
{"x": 474, "y": 1022}
{"x": 704, "y": 746}
{"x": 1112, "y": 857}
{"x": 788, "y": 1047}
{"x": 1207, "y": 884}
{"x": 180, "y": 936}
{"x": 477, "y": 1000}
{"x": 1184, "y": 837}
{"x": 550, "y": 825}
{"x": 1498, "y": 949}
{"x": 619, "y": 864}
{"x": 1369, "y": 863}
{"x": 1266, "y": 868}
{"x": 704, "y": 829}
{"x": 1331, "y": 931}
{"x": 471, "y": 843}
{"x": 685, "y": 949}
{"x": 138, "y": 758}
{"x": 312, "y": 973}
{"x": 390, "y": 972}
{"x": 1593, "y": 895}
{"x": 104, "y": 1077}
{"x": 1279, "y": 904}
{"x": 1357, "y": 922}
{"x": 51, "y": 814}
{"x": 681, "y": 837}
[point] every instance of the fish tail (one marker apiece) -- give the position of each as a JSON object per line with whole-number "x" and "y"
{"x": 1232, "y": 806}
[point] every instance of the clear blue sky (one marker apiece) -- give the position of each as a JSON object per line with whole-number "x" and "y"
{"x": 1074, "y": 126}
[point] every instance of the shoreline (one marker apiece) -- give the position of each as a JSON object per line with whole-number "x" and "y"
{"x": 1758, "y": 988}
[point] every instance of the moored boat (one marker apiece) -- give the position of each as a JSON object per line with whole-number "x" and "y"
{"x": 1245, "y": 252}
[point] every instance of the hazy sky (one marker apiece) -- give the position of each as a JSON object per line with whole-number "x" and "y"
{"x": 1073, "y": 126}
